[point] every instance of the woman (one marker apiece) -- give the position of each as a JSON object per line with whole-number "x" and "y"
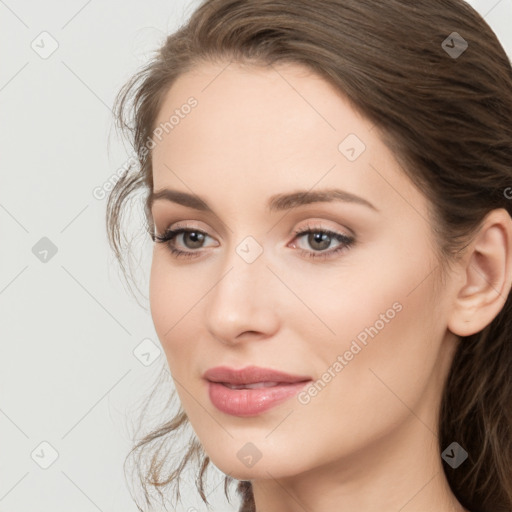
{"x": 328, "y": 187}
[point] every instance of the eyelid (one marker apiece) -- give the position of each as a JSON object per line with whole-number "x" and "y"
{"x": 323, "y": 225}
{"x": 311, "y": 224}
{"x": 343, "y": 238}
{"x": 184, "y": 225}
{"x": 345, "y": 242}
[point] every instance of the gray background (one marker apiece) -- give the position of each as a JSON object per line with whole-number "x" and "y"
{"x": 78, "y": 351}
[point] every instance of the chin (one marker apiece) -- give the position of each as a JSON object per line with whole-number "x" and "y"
{"x": 256, "y": 469}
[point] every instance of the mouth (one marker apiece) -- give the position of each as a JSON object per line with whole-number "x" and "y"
{"x": 255, "y": 385}
{"x": 251, "y": 390}
{"x": 251, "y": 375}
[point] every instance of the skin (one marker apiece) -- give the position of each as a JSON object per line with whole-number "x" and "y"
{"x": 368, "y": 441}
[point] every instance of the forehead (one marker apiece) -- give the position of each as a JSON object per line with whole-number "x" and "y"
{"x": 251, "y": 107}
{"x": 269, "y": 129}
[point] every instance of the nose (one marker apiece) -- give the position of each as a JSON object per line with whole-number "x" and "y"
{"x": 243, "y": 303}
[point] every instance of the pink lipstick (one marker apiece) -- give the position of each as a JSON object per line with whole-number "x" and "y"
{"x": 250, "y": 390}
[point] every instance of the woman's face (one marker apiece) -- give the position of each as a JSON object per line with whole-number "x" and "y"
{"x": 354, "y": 310}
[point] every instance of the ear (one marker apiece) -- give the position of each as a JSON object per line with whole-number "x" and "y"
{"x": 485, "y": 276}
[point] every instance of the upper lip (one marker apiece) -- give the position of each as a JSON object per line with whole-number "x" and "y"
{"x": 250, "y": 375}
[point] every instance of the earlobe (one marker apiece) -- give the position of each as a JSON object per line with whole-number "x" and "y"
{"x": 486, "y": 275}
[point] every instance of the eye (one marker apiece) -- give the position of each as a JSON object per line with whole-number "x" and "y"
{"x": 194, "y": 239}
{"x": 320, "y": 239}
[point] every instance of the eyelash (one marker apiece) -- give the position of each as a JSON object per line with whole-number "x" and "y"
{"x": 345, "y": 242}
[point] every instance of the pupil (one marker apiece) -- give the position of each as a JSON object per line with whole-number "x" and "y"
{"x": 319, "y": 238}
{"x": 196, "y": 238}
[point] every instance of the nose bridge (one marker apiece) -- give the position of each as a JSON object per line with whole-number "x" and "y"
{"x": 244, "y": 268}
{"x": 241, "y": 300}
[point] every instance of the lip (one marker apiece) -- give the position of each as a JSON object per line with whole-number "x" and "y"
{"x": 251, "y": 402}
{"x": 251, "y": 375}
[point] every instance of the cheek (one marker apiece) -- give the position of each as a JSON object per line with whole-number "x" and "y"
{"x": 378, "y": 316}
{"x": 162, "y": 301}
{"x": 396, "y": 352}
{"x": 379, "y": 390}
{"x": 172, "y": 298}
{"x": 332, "y": 305}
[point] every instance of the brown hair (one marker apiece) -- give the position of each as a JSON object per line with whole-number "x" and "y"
{"x": 447, "y": 118}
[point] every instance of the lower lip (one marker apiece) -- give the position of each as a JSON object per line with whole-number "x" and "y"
{"x": 250, "y": 402}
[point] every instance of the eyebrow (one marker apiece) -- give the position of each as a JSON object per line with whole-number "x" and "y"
{"x": 277, "y": 202}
